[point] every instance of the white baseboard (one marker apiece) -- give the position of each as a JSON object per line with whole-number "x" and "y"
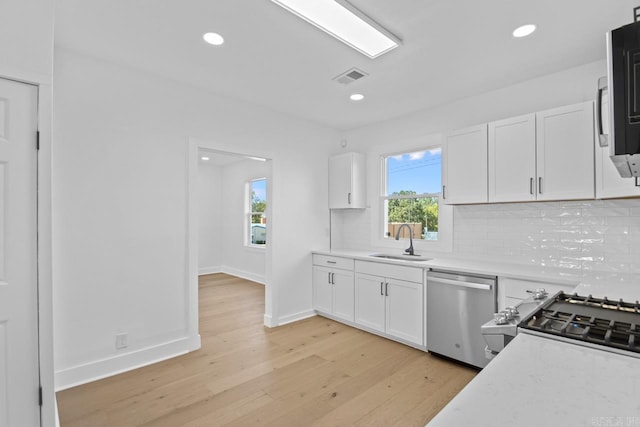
{"x": 107, "y": 367}
{"x": 209, "y": 270}
{"x": 271, "y": 322}
{"x": 294, "y": 317}
{"x": 268, "y": 321}
{"x": 258, "y": 278}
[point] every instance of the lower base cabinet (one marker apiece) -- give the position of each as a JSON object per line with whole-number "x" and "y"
{"x": 391, "y": 306}
{"x": 333, "y": 287}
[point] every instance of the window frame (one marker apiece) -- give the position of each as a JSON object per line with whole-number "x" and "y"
{"x": 377, "y": 168}
{"x": 249, "y": 213}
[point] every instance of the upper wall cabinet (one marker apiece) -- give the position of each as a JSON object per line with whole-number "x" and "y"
{"x": 512, "y": 159}
{"x": 465, "y": 171}
{"x": 565, "y": 158}
{"x": 347, "y": 177}
{"x": 542, "y": 156}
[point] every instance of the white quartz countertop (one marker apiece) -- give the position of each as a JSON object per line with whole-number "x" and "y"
{"x": 599, "y": 284}
{"x": 538, "y": 381}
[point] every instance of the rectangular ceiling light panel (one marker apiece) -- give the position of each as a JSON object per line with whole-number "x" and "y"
{"x": 344, "y": 22}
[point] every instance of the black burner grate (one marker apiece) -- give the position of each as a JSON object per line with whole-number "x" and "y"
{"x": 598, "y": 321}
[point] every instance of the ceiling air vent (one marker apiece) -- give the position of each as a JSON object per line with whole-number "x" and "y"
{"x": 350, "y": 76}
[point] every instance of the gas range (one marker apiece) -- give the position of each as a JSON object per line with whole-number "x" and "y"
{"x": 594, "y": 322}
{"x": 500, "y": 330}
{"x": 600, "y": 323}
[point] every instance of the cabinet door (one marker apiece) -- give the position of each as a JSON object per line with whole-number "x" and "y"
{"x": 340, "y": 181}
{"x": 404, "y": 309}
{"x": 512, "y": 159}
{"x": 466, "y": 166}
{"x": 343, "y": 294}
{"x": 370, "y": 302}
{"x": 347, "y": 178}
{"x": 322, "y": 289}
{"x": 565, "y": 155}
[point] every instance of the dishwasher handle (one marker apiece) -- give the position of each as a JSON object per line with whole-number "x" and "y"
{"x": 473, "y": 285}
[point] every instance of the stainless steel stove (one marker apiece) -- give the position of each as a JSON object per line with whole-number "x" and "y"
{"x": 594, "y": 322}
{"x": 600, "y": 323}
{"x": 500, "y": 330}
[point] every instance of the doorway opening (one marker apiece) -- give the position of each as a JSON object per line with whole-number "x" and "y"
{"x": 221, "y": 236}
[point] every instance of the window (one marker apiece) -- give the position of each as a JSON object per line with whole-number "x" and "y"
{"x": 412, "y": 184}
{"x": 257, "y": 207}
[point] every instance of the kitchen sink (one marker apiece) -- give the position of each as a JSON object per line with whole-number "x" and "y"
{"x": 410, "y": 258}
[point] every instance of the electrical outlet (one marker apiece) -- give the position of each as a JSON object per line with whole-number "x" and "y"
{"x": 121, "y": 340}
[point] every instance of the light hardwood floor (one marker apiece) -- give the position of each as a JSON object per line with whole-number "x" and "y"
{"x": 312, "y": 372}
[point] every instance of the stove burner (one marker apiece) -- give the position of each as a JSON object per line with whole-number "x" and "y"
{"x": 599, "y": 321}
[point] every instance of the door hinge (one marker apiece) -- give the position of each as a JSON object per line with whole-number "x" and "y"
{"x": 37, "y": 140}
{"x": 40, "y": 395}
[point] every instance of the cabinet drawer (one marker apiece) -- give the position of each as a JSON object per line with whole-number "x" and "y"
{"x": 333, "y": 261}
{"x": 410, "y": 274}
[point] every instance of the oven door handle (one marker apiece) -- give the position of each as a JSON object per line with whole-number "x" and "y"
{"x": 481, "y": 286}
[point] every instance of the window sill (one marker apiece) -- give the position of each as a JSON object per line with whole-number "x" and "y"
{"x": 255, "y": 248}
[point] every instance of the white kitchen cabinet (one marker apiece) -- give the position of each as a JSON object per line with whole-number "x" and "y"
{"x": 370, "y": 302}
{"x": 542, "y": 156}
{"x": 512, "y": 159}
{"x": 465, "y": 166}
{"x": 564, "y": 153}
{"x": 513, "y": 291}
{"x": 390, "y": 299}
{"x": 405, "y": 310}
{"x": 347, "y": 178}
{"x": 333, "y": 286}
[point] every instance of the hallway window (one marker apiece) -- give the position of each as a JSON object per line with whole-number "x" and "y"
{"x": 256, "y": 212}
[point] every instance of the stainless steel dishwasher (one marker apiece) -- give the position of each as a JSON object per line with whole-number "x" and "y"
{"x": 458, "y": 304}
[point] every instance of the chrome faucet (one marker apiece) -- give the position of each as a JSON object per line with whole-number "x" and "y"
{"x": 409, "y": 250}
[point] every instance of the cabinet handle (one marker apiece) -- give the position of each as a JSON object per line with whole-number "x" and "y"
{"x": 329, "y": 278}
{"x": 444, "y": 197}
{"x": 386, "y": 289}
{"x": 349, "y": 198}
{"x": 381, "y": 285}
{"x": 540, "y": 185}
{"x": 331, "y": 262}
{"x": 531, "y": 185}
{"x": 603, "y": 139}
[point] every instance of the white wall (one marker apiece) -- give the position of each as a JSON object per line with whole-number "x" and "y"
{"x": 240, "y": 259}
{"x": 221, "y": 224}
{"x": 210, "y": 248}
{"x": 26, "y": 52}
{"x": 578, "y": 236}
{"x": 26, "y": 39}
{"x": 120, "y": 209}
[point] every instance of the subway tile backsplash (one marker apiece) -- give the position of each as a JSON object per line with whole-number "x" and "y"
{"x": 598, "y": 235}
{"x": 580, "y": 236}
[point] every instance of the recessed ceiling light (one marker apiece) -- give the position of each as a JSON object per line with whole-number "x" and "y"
{"x": 213, "y": 38}
{"x": 357, "y": 97}
{"x": 524, "y": 30}
{"x": 343, "y": 21}
{"x": 205, "y": 158}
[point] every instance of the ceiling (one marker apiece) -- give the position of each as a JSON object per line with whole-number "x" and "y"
{"x": 451, "y": 49}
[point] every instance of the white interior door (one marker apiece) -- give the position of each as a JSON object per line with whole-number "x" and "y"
{"x": 19, "y": 366}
